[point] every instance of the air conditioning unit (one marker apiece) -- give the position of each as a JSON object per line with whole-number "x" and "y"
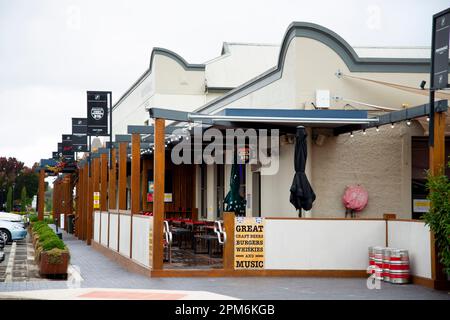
{"x": 323, "y": 99}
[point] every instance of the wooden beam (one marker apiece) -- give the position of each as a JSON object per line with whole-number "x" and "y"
{"x": 144, "y": 186}
{"x": 228, "y": 250}
{"x": 158, "y": 199}
{"x": 437, "y": 153}
{"x": 123, "y": 175}
{"x": 86, "y": 202}
{"x": 135, "y": 173}
{"x": 41, "y": 195}
{"x": 112, "y": 180}
{"x": 103, "y": 182}
{"x": 95, "y": 188}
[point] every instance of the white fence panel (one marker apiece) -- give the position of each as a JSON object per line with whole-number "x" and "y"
{"x": 415, "y": 237}
{"x": 124, "y": 235}
{"x": 113, "y": 229}
{"x": 97, "y": 226}
{"x": 140, "y": 244}
{"x": 104, "y": 228}
{"x": 303, "y": 244}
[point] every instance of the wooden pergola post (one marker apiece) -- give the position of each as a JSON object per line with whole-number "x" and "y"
{"x": 437, "y": 152}
{"x": 437, "y": 167}
{"x": 135, "y": 181}
{"x": 86, "y": 202}
{"x": 158, "y": 199}
{"x": 41, "y": 195}
{"x": 123, "y": 175}
{"x": 112, "y": 180}
{"x": 135, "y": 173}
{"x": 90, "y": 204}
{"x": 79, "y": 206}
{"x": 95, "y": 186}
{"x": 144, "y": 186}
{"x": 104, "y": 181}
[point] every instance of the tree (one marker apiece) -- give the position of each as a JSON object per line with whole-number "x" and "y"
{"x": 9, "y": 200}
{"x": 23, "y": 199}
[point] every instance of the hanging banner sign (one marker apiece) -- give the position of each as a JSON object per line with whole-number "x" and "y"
{"x": 67, "y": 147}
{"x": 96, "y": 200}
{"x": 249, "y": 243}
{"x": 441, "y": 37}
{"x": 60, "y": 147}
{"x": 56, "y": 155}
{"x": 97, "y": 113}
{"x": 79, "y": 125}
{"x": 79, "y": 143}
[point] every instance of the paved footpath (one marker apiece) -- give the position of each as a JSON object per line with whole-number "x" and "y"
{"x": 96, "y": 272}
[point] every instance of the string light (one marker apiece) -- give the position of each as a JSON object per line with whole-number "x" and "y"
{"x": 392, "y": 125}
{"x": 377, "y": 129}
{"x": 428, "y": 119}
{"x": 364, "y": 132}
{"x": 408, "y": 122}
{"x": 351, "y": 134}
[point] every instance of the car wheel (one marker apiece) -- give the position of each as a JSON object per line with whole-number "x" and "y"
{"x": 5, "y": 235}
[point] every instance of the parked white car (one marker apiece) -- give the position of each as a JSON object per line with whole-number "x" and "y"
{"x": 10, "y": 231}
{"x": 11, "y": 217}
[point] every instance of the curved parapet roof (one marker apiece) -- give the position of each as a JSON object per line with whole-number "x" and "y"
{"x": 333, "y": 41}
{"x": 167, "y": 53}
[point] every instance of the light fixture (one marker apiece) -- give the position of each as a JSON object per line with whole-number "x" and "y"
{"x": 422, "y": 84}
{"x": 364, "y": 132}
{"x": 377, "y": 129}
{"x": 351, "y": 134}
{"x": 408, "y": 122}
{"x": 392, "y": 125}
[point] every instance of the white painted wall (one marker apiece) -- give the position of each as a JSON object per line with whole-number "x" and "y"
{"x": 124, "y": 236}
{"x": 301, "y": 244}
{"x": 113, "y": 230}
{"x": 140, "y": 244}
{"x": 104, "y": 227}
{"x": 96, "y": 226}
{"x": 415, "y": 237}
{"x": 275, "y": 189}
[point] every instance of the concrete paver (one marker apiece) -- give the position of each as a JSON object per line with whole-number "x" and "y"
{"x": 97, "y": 271}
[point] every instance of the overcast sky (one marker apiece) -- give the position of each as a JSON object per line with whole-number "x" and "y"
{"x": 53, "y": 51}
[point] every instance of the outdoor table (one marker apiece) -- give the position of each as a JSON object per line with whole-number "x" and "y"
{"x": 209, "y": 238}
{"x": 181, "y": 234}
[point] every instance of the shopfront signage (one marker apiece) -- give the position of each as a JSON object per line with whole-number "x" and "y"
{"x": 441, "y": 35}
{"x": 79, "y": 126}
{"x": 67, "y": 147}
{"x": 79, "y": 143}
{"x": 249, "y": 243}
{"x": 421, "y": 205}
{"x": 97, "y": 113}
{"x": 167, "y": 196}
{"x": 96, "y": 200}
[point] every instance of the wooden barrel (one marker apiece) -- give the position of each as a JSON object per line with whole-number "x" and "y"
{"x": 386, "y": 264}
{"x": 399, "y": 266}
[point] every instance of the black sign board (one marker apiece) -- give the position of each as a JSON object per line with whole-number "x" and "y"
{"x": 60, "y": 147}
{"x": 67, "y": 147}
{"x": 56, "y": 155}
{"x": 79, "y": 125}
{"x": 79, "y": 143}
{"x": 441, "y": 39}
{"x": 97, "y": 113}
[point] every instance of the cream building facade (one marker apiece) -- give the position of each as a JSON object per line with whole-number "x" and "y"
{"x": 310, "y": 58}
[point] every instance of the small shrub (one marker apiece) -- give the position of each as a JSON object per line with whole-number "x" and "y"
{"x": 52, "y": 243}
{"x": 33, "y": 218}
{"x": 55, "y": 255}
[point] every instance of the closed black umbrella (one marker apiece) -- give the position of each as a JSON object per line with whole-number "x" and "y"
{"x": 302, "y": 195}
